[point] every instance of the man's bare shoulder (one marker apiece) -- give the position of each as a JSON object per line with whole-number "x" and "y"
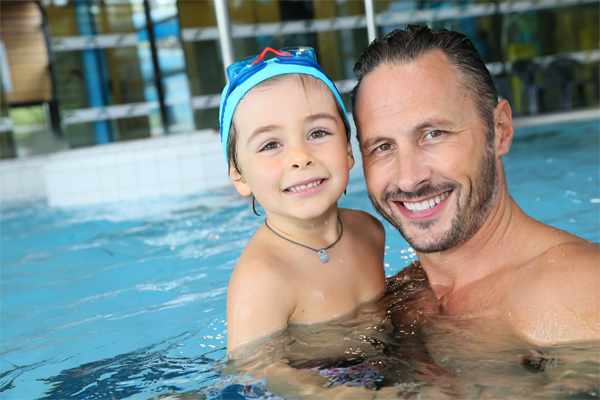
{"x": 556, "y": 296}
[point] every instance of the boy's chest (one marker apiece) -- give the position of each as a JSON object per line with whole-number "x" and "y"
{"x": 336, "y": 289}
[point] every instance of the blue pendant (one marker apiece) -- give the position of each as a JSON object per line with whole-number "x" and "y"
{"x": 323, "y": 255}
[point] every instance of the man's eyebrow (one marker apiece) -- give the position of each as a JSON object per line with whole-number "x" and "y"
{"x": 432, "y": 123}
{"x": 262, "y": 129}
{"x": 314, "y": 117}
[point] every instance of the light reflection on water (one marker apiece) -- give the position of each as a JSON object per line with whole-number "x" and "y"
{"x": 416, "y": 356}
{"x": 128, "y": 300}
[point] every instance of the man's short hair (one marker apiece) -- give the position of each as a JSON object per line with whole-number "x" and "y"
{"x": 401, "y": 47}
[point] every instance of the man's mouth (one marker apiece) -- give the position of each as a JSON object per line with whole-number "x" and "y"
{"x": 416, "y": 206}
{"x": 299, "y": 188}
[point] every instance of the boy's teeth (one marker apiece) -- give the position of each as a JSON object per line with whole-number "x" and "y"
{"x": 299, "y": 188}
{"x": 426, "y": 204}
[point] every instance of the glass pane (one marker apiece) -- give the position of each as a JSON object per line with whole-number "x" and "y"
{"x": 31, "y": 131}
{"x": 7, "y": 145}
{"x": 203, "y": 60}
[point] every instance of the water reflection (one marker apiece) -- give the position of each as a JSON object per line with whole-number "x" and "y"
{"x": 407, "y": 349}
{"x": 397, "y": 348}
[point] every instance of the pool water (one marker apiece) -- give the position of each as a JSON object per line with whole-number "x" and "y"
{"x": 128, "y": 300}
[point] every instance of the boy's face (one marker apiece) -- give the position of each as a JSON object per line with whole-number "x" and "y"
{"x": 292, "y": 148}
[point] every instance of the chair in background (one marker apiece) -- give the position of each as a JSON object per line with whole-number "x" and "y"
{"x": 564, "y": 72}
{"x": 535, "y": 91}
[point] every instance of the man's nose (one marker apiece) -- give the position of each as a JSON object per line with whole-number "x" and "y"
{"x": 301, "y": 157}
{"x": 412, "y": 170}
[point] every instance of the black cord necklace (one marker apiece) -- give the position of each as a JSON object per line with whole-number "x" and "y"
{"x": 322, "y": 253}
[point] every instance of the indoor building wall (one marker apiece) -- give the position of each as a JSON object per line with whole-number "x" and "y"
{"x": 121, "y": 76}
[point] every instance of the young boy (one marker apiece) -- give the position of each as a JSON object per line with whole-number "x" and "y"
{"x": 287, "y": 141}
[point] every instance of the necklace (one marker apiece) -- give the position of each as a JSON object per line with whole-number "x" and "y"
{"x": 322, "y": 253}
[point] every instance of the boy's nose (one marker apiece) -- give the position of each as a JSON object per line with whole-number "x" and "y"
{"x": 301, "y": 157}
{"x": 302, "y": 163}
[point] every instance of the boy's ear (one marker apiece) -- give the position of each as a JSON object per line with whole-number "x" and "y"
{"x": 350, "y": 156}
{"x": 240, "y": 184}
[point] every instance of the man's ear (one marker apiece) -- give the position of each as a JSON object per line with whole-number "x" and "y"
{"x": 350, "y": 156}
{"x": 238, "y": 181}
{"x": 503, "y": 127}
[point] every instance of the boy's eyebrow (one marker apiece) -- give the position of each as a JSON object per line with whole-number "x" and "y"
{"x": 315, "y": 117}
{"x": 310, "y": 118}
{"x": 262, "y": 129}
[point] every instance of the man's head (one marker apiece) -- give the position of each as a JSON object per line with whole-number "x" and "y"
{"x": 427, "y": 117}
{"x": 401, "y": 47}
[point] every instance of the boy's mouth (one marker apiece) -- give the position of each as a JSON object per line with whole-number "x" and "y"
{"x": 299, "y": 188}
{"x": 415, "y": 206}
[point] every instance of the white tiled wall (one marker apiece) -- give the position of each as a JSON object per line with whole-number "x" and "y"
{"x": 22, "y": 179}
{"x": 180, "y": 164}
{"x": 172, "y": 165}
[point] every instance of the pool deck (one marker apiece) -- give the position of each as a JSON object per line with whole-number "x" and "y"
{"x": 557, "y": 118}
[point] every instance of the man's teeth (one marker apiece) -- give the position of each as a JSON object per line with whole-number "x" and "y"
{"x": 299, "y": 188}
{"x": 425, "y": 205}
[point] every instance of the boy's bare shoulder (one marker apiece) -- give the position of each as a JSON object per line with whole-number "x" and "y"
{"x": 258, "y": 264}
{"x": 364, "y": 224}
{"x": 260, "y": 299}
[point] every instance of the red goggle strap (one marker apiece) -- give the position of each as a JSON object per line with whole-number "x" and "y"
{"x": 262, "y": 55}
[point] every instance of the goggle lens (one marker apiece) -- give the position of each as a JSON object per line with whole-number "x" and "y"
{"x": 234, "y": 69}
{"x": 300, "y": 51}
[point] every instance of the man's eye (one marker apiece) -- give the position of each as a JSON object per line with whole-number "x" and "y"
{"x": 433, "y": 134}
{"x": 318, "y": 134}
{"x": 384, "y": 147}
{"x": 270, "y": 146}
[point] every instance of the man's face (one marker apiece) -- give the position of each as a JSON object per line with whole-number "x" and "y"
{"x": 429, "y": 168}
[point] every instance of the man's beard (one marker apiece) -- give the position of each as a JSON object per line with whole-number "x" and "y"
{"x": 471, "y": 212}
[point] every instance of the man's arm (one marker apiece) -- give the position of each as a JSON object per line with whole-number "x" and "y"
{"x": 557, "y": 298}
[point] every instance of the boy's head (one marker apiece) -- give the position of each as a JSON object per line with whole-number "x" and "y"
{"x": 292, "y": 145}
{"x": 255, "y": 72}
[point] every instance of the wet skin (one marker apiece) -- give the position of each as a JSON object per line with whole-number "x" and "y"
{"x": 422, "y": 138}
{"x": 295, "y": 159}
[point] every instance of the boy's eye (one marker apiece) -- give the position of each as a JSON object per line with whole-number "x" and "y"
{"x": 270, "y": 146}
{"x": 318, "y": 134}
{"x": 433, "y": 134}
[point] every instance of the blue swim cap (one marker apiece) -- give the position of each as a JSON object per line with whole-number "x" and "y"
{"x": 268, "y": 69}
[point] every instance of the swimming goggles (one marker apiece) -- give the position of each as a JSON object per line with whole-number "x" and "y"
{"x": 249, "y": 72}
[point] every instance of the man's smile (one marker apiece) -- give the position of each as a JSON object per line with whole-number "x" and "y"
{"x": 423, "y": 208}
{"x": 423, "y": 205}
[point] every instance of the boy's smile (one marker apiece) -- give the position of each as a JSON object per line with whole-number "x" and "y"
{"x": 292, "y": 147}
{"x": 306, "y": 188}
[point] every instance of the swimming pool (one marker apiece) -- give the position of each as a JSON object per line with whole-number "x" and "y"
{"x": 128, "y": 300}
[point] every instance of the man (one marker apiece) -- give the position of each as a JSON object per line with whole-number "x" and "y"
{"x": 432, "y": 134}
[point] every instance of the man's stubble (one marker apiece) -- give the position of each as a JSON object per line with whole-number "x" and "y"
{"x": 472, "y": 208}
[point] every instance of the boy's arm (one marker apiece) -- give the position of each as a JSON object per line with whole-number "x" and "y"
{"x": 259, "y": 302}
